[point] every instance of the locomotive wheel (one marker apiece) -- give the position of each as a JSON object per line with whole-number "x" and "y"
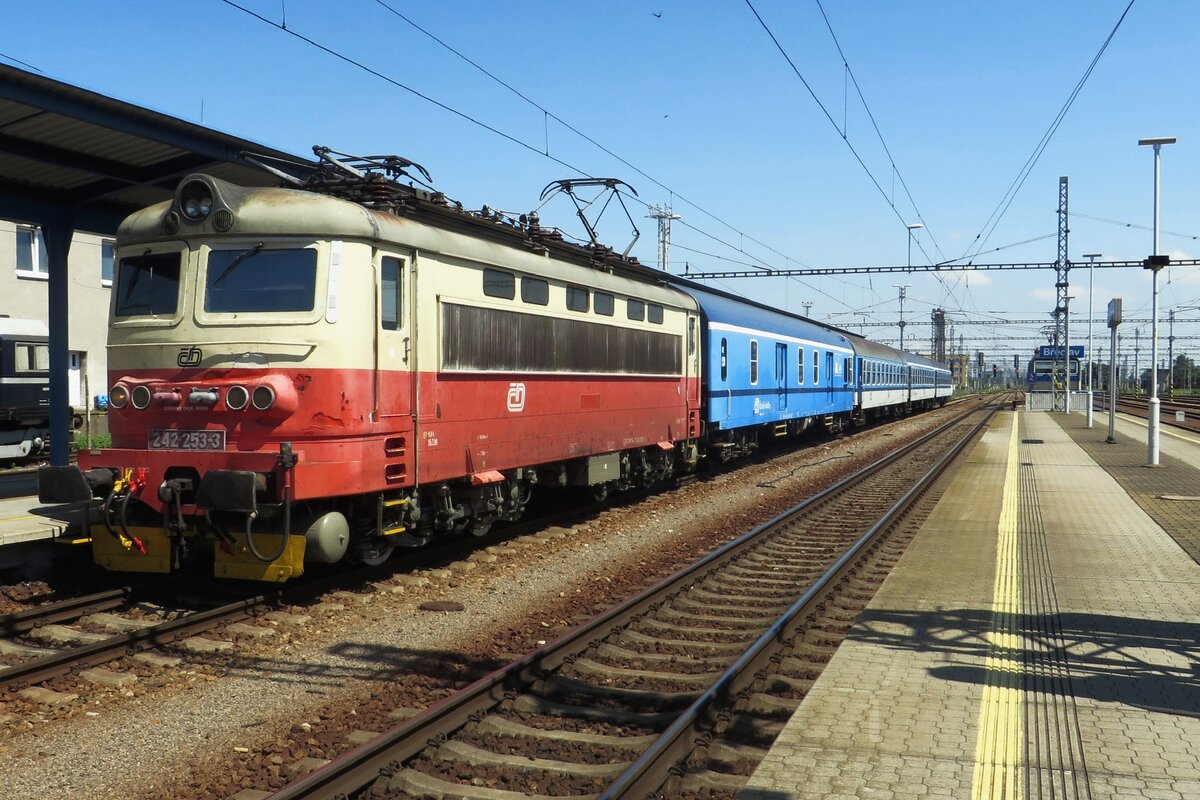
{"x": 371, "y": 553}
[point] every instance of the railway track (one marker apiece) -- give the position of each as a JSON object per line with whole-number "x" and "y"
{"x": 678, "y": 691}
{"x": 1139, "y": 407}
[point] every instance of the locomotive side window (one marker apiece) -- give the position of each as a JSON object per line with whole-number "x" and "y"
{"x": 635, "y": 310}
{"x": 654, "y": 313}
{"x": 391, "y": 293}
{"x": 499, "y": 284}
{"x": 753, "y": 362}
{"x": 147, "y": 285}
{"x": 604, "y": 304}
{"x": 263, "y": 280}
{"x": 536, "y": 291}
{"x": 31, "y": 357}
{"x": 800, "y": 365}
{"x": 724, "y": 359}
{"x": 577, "y": 299}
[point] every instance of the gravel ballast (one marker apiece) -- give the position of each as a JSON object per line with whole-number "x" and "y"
{"x": 146, "y": 740}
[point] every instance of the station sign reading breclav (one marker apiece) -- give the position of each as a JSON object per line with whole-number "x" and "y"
{"x": 1056, "y": 351}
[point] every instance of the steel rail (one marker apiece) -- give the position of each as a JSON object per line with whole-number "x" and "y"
{"x": 21, "y": 621}
{"x": 651, "y": 769}
{"x": 351, "y": 771}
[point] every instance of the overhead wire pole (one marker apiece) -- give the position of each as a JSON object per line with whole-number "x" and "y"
{"x": 664, "y": 216}
{"x": 903, "y": 287}
{"x": 1062, "y": 268}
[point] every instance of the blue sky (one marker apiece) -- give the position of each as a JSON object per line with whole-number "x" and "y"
{"x": 700, "y": 101}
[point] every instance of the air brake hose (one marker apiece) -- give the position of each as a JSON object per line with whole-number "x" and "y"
{"x": 125, "y": 524}
{"x": 283, "y": 541}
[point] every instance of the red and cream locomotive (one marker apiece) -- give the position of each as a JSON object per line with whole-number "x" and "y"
{"x": 306, "y": 375}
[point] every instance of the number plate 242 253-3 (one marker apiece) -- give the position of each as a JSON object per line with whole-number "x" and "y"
{"x": 187, "y": 440}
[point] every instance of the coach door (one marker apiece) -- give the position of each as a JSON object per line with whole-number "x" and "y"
{"x": 829, "y": 376}
{"x": 781, "y": 374}
{"x": 395, "y": 362}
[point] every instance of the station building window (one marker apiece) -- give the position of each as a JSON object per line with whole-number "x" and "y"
{"x": 108, "y": 258}
{"x": 32, "y": 259}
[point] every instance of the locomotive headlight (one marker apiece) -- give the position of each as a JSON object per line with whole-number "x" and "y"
{"x": 141, "y": 397}
{"x": 196, "y": 200}
{"x": 236, "y": 398}
{"x": 263, "y": 397}
{"x": 118, "y": 396}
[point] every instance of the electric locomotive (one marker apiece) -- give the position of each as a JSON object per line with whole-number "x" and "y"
{"x": 336, "y": 369}
{"x": 300, "y": 377}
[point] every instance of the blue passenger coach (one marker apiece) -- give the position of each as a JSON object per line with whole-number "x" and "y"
{"x": 768, "y": 373}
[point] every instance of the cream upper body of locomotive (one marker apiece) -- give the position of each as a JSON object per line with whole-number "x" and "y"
{"x": 350, "y": 240}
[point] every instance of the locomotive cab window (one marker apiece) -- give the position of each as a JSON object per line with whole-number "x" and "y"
{"x": 147, "y": 285}
{"x": 391, "y": 295}
{"x": 577, "y": 299}
{"x": 499, "y": 284}
{"x": 535, "y": 291}
{"x": 257, "y": 279}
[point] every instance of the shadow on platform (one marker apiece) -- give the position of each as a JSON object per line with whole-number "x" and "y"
{"x": 1143, "y": 663}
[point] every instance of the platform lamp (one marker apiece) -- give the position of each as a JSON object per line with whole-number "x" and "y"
{"x": 1155, "y": 263}
{"x": 1091, "y": 257}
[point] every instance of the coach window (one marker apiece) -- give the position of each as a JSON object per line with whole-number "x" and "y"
{"x": 724, "y": 359}
{"x": 603, "y": 303}
{"x": 849, "y": 370}
{"x": 691, "y": 335}
{"x": 800, "y": 365}
{"x": 390, "y": 290}
{"x": 499, "y": 284}
{"x": 654, "y": 313}
{"x": 635, "y": 310}
{"x": 535, "y": 291}
{"x": 816, "y": 368}
{"x": 577, "y": 299}
{"x": 753, "y": 362}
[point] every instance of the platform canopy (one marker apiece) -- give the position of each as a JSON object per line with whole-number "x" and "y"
{"x": 71, "y": 159}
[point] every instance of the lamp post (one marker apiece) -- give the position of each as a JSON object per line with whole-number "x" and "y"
{"x": 916, "y": 226}
{"x": 1091, "y": 257}
{"x": 1154, "y": 264}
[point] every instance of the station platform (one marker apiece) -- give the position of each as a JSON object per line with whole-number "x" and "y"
{"x": 1039, "y": 639}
